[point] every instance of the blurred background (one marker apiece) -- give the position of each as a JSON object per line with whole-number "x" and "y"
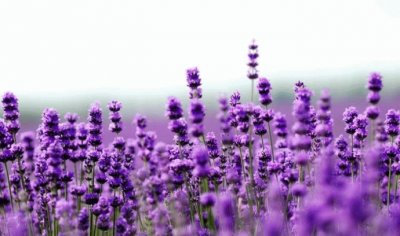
{"x": 68, "y": 54}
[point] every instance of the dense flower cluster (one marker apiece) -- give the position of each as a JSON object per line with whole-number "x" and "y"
{"x": 254, "y": 176}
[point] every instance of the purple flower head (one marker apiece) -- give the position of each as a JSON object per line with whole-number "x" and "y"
{"x": 212, "y": 145}
{"x": 373, "y": 97}
{"x": 140, "y": 121}
{"x": 95, "y": 125}
{"x": 114, "y": 106}
{"x": 324, "y": 102}
{"x": 226, "y": 213}
{"x": 264, "y": 89}
{"x": 91, "y": 198}
{"x": 253, "y": 55}
{"x": 280, "y": 125}
{"x": 200, "y": 155}
{"x": 299, "y": 190}
{"x": 223, "y": 104}
{"x": 361, "y": 123}
{"x": 72, "y": 118}
{"x": 82, "y": 131}
{"x": 50, "y": 122}
{"x": 178, "y": 126}
{"x": 103, "y": 222}
{"x": 95, "y": 114}
{"x": 258, "y": 121}
{"x": 174, "y": 109}
{"x": 115, "y": 116}
{"x": 372, "y": 112}
{"x": 10, "y": 107}
{"x": 375, "y": 82}
{"x": 341, "y": 143}
{"x": 301, "y": 158}
{"x": 202, "y": 170}
{"x": 392, "y": 122}
{"x": 193, "y": 78}
{"x": 5, "y": 137}
{"x": 196, "y": 111}
{"x": 207, "y": 199}
{"x": 235, "y": 99}
{"x": 83, "y": 220}
{"x": 349, "y": 115}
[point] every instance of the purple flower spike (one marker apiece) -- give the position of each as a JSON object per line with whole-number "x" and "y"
{"x": 193, "y": 78}
{"x": 375, "y": 82}
{"x": 11, "y": 112}
{"x": 264, "y": 89}
{"x": 174, "y": 109}
{"x": 253, "y": 55}
{"x": 392, "y": 122}
{"x": 115, "y": 117}
{"x": 95, "y": 125}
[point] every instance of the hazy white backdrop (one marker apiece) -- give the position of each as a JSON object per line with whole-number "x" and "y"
{"x": 139, "y": 49}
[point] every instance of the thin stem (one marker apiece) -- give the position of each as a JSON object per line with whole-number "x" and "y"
{"x": 252, "y": 90}
{"x": 76, "y": 173}
{"x": 389, "y": 183}
{"x": 271, "y": 141}
{"x": 8, "y": 184}
{"x": 396, "y": 184}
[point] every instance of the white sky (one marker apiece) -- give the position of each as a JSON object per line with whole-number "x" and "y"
{"x": 143, "y": 47}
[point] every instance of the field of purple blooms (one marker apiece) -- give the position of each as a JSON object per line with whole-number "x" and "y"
{"x": 260, "y": 176}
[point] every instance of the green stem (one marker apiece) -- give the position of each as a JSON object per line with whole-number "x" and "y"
{"x": 271, "y": 141}
{"x": 76, "y": 173}
{"x": 91, "y": 226}
{"x": 114, "y": 219}
{"x": 8, "y": 184}
{"x": 389, "y": 182}
{"x": 252, "y": 90}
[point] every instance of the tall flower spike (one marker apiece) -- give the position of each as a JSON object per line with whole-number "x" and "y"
{"x": 174, "y": 109}
{"x": 264, "y": 89}
{"x": 392, "y": 122}
{"x": 252, "y": 72}
{"x": 193, "y": 78}
{"x": 324, "y": 128}
{"x": 115, "y": 117}
{"x": 253, "y": 55}
{"x": 302, "y": 113}
{"x": 374, "y": 86}
{"x": 11, "y": 112}
{"x": 95, "y": 120}
{"x": 194, "y": 82}
{"x": 196, "y": 116}
{"x": 349, "y": 115}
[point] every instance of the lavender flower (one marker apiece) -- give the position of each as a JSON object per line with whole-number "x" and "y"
{"x": 115, "y": 117}
{"x": 11, "y": 112}
{"x": 253, "y": 55}
{"x": 264, "y": 89}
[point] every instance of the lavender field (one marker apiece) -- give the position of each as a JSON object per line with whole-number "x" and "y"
{"x": 257, "y": 170}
